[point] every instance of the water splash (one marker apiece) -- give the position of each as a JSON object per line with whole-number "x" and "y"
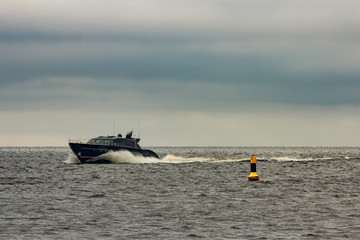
{"x": 72, "y": 159}
{"x": 296, "y": 159}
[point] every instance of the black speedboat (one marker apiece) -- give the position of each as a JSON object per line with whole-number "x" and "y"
{"x": 91, "y": 151}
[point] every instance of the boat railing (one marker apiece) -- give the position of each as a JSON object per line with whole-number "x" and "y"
{"x": 79, "y": 140}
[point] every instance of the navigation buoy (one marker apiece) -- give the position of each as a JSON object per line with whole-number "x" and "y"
{"x": 253, "y": 175}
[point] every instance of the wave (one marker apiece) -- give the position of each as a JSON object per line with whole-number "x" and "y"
{"x": 290, "y": 159}
{"x": 176, "y": 159}
{"x": 294, "y": 159}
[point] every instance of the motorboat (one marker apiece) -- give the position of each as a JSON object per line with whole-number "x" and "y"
{"x": 91, "y": 151}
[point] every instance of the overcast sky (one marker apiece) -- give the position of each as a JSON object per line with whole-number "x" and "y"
{"x": 189, "y": 72}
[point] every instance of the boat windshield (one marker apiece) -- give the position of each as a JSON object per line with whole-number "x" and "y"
{"x": 100, "y": 141}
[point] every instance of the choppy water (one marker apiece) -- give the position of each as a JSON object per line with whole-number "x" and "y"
{"x": 191, "y": 193}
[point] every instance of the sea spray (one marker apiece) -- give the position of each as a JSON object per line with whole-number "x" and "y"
{"x": 72, "y": 159}
{"x": 175, "y": 159}
{"x": 127, "y": 157}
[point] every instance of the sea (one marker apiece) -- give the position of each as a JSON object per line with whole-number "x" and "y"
{"x": 189, "y": 193}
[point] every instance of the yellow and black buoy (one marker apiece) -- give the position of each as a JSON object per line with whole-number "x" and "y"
{"x": 253, "y": 175}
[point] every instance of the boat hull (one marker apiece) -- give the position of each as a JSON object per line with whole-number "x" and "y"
{"x": 91, "y": 153}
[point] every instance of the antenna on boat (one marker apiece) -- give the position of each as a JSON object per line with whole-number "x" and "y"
{"x": 114, "y": 127}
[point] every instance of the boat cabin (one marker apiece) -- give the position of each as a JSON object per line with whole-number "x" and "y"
{"x": 115, "y": 141}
